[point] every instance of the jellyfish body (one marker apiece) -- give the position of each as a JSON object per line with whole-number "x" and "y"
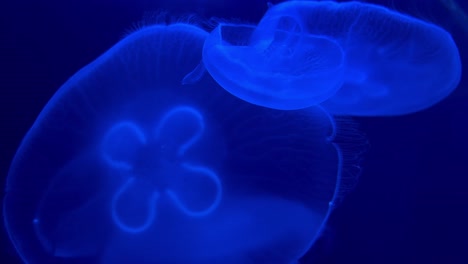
{"x": 393, "y": 64}
{"x": 285, "y": 70}
{"x": 142, "y": 158}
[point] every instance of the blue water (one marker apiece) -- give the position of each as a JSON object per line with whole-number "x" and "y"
{"x": 147, "y": 157}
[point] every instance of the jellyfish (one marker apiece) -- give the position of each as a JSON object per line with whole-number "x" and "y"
{"x": 352, "y": 58}
{"x": 285, "y": 70}
{"x": 141, "y": 157}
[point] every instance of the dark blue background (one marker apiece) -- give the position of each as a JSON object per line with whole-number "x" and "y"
{"x": 411, "y": 203}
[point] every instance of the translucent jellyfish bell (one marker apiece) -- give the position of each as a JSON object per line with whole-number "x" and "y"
{"x": 278, "y": 66}
{"x": 142, "y": 158}
{"x": 394, "y": 64}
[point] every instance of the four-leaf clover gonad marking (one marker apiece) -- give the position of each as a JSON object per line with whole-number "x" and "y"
{"x": 158, "y": 157}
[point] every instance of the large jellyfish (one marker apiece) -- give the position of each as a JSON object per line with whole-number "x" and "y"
{"x": 140, "y": 157}
{"x": 354, "y": 58}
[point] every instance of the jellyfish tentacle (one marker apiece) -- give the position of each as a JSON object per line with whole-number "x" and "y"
{"x": 120, "y": 144}
{"x": 151, "y": 209}
{"x": 204, "y": 172}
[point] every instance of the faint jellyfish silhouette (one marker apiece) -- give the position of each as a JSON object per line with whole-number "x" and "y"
{"x": 458, "y": 13}
{"x": 393, "y": 64}
{"x": 140, "y": 157}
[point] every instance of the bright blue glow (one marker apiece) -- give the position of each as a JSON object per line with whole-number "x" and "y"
{"x": 393, "y": 64}
{"x": 276, "y": 66}
{"x": 141, "y": 157}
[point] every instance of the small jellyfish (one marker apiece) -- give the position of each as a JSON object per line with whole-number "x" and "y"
{"x": 140, "y": 157}
{"x": 391, "y": 64}
{"x": 284, "y": 68}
